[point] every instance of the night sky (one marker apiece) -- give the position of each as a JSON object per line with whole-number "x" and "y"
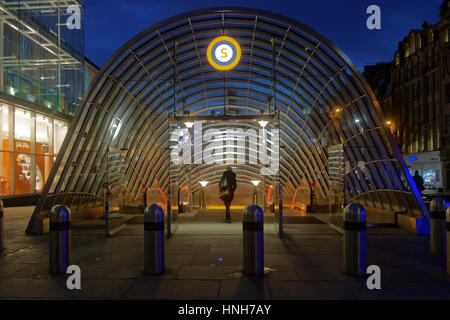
{"x": 111, "y": 23}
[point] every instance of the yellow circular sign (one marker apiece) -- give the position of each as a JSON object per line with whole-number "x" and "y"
{"x": 224, "y": 53}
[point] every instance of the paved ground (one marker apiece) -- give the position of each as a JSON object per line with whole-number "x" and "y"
{"x": 304, "y": 265}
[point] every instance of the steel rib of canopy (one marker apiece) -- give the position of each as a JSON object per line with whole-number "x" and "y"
{"x": 127, "y": 106}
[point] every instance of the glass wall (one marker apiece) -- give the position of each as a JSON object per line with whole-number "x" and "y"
{"x": 43, "y": 52}
{"x": 29, "y": 144}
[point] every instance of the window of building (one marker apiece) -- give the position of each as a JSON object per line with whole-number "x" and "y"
{"x": 22, "y": 125}
{"x": 4, "y": 154}
{"x": 60, "y": 133}
{"x": 418, "y": 42}
{"x": 430, "y": 141}
{"x": 445, "y": 64}
{"x": 438, "y": 138}
{"x": 447, "y": 89}
{"x": 26, "y": 154}
{"x": 430, "y": 35}
{"x": 412, "y": 45}
{"x": 44, "y": 160}
{"x": 23, "y": 160}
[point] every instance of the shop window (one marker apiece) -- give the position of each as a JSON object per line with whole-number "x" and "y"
{"x": 43, "y": 166}
{"x": 22, "y": 125}
{"x": 22, "y": 173}
{"x": 4, "y": 174}
{"x": 43, "y": 130}
{"x": 4, "y": 131}
{"x": 60, "y": 133}
{"x": 44, "y": 162}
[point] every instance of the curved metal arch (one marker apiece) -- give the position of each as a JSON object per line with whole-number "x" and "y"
{"x": 135, "y": 89}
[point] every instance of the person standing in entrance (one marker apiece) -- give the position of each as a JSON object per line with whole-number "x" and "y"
{"x": 227, "y": 186}
{"x": 419, "y": 181}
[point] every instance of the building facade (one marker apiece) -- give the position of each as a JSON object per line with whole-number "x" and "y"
{"x": 42, "y": 81}
{"x": 417, "y": 102}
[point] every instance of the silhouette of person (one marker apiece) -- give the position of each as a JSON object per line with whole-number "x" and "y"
{"x": 419, "y": 181}
{"x": 227, "y": 186}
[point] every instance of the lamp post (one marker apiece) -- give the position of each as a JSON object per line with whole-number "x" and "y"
{"x": 202, "y": 195}
{"x": 189, "y": 126}
{"x": 263, "y": 125}
{"x": 255, "y": 190}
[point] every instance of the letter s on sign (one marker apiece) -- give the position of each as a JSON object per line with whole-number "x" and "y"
{"x": 224, "y": 53}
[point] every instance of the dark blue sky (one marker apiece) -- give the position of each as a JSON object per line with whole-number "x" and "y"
{"x": 111, "y": 23}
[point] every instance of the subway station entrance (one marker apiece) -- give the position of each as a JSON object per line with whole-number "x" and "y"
{"x": 231, "y": 87}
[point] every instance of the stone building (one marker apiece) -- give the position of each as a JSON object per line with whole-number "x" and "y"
{"x": 417, "y": 102}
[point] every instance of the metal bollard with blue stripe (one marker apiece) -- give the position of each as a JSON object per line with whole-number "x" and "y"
{"x": 59, "y": 239}
{"x": 355, "y": 240}
{"x": 2, "y": 229}
{"x": 154, "y": 239}
{"x": 448, "y": 240}
{"x": 437, "y": 225}
{"x": 253, "y": 241}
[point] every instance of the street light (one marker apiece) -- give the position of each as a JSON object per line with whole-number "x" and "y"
{"x": 202, "y": 195}
{"x": 189, "y": 125}
{"x": 255, "y": 182}
{"x": 255, "y": 189}
{"x": 263, "y": 123}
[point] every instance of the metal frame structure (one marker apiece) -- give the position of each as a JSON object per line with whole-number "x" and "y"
{"x": 286, "y": 66}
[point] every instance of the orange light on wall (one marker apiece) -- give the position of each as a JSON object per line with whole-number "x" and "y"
{"x": 295, "y": 195}
{"x": 164, "y": 196}
{"x": 162, "y": 193}
{"x": 268, "y": 194}
{"x": 187, "y": 190}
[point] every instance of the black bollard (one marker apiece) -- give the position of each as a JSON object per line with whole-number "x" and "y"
{"x": 448, "y": 240}
{"x": 59, "y": 239}
{"x": 154, "y": 239}
{"x": 437, "y": 225}
{"x": 253, "y": 241}
{"x": 355, "y": 240}
{"x": 2, "y": 228}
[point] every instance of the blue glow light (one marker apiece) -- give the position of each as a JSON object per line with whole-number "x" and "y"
{"x": 220, "y": 259}
{"x": 413, "y": 158}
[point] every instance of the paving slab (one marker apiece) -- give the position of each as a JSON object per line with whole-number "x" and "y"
{"x": 322, "y": 290}
{"x": 151, "y": 288}
{"x": 206, "y": 272}
{"x": 90, "y": 289}
{"x": 254, "y": 288}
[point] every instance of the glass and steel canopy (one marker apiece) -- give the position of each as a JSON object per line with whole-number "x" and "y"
{"x": 286, "y": 68}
